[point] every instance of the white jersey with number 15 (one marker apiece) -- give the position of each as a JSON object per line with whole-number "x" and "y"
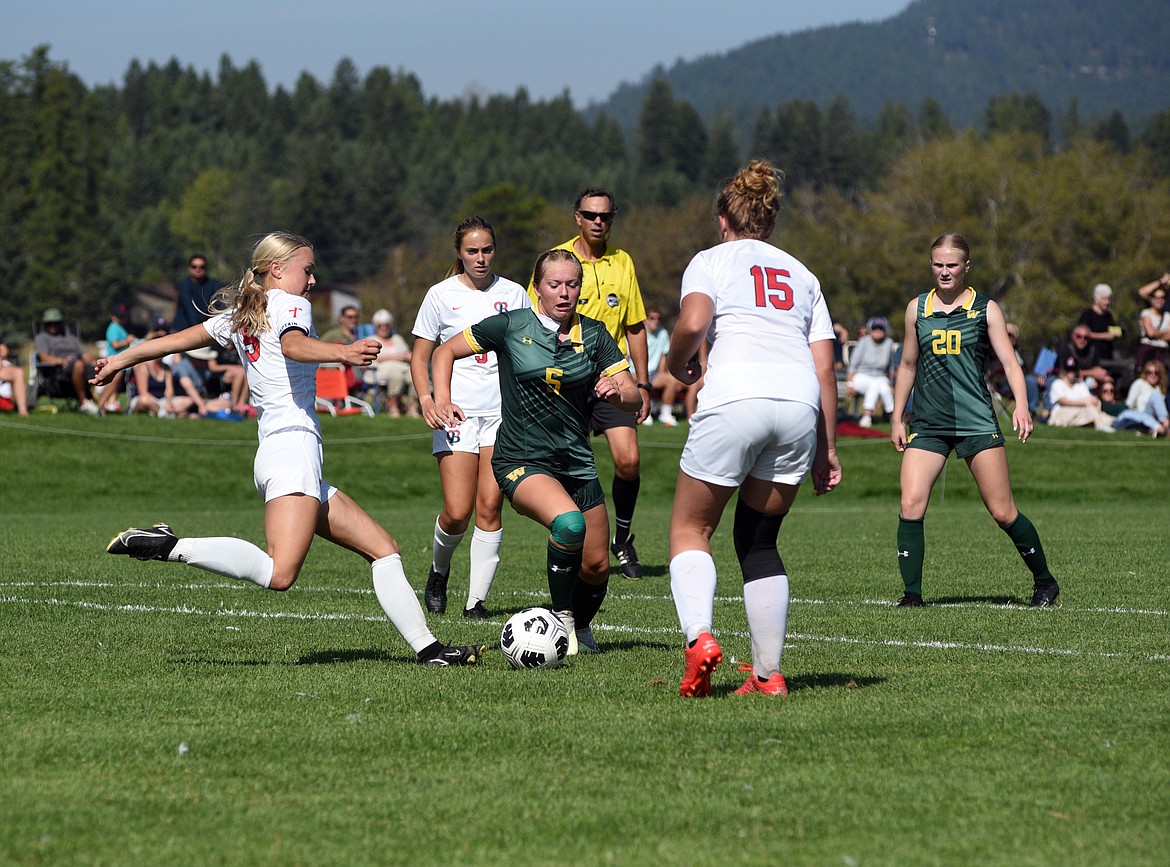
{"x": 768, "y": 309}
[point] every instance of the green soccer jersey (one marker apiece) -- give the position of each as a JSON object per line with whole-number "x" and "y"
{"x": 545, "y": 387}
{"x": 950, "y": 396}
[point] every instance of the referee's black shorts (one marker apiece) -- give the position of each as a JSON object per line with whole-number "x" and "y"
{"x": 604, "y": 416}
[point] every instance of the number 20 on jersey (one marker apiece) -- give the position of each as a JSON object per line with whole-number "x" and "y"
{"x": 946, "y": 341}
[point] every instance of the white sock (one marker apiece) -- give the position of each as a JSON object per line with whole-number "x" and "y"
{"x": 397, "y": 599}
{"x": 227, "y": 556}
{"x": 443, "y": 548}
{"x": 692, "y": 581}
{"x": 766, "y": 601}
{"x": 485, "y": 558}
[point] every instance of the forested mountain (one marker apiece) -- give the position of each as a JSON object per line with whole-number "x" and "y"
{"x": 1108, "y": 55}
{"x": 104, "y": 191}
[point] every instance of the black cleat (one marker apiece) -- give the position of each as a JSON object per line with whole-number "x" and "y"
{"x": 1044, "y": 593}
{"x": 153, "y": 543}
{"x": 476, "y": 612}
{"x": 911, "y": 600}
{"x": 627, "y": 558}
{"x": 456, "y": 655}
{"x": 436, "y": 592}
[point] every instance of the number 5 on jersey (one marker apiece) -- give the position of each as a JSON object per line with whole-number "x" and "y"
{"x": 552, "y": 376}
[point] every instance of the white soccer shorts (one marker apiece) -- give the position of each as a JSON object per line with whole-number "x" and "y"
{"x": 289, "y": 462}
{"x": 470, "y": 435}
{"x": 772, "y": 440}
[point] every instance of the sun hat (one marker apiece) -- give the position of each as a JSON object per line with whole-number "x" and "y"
{"x": 53, "y": 314}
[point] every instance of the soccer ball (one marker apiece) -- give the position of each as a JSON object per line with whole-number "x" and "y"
{"x": 534, "y": 638}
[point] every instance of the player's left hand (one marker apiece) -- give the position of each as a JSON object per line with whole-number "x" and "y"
{"x": 364, "y": 352}
{"x": 102, "y": 376}
{"x": 1022, "y": 423}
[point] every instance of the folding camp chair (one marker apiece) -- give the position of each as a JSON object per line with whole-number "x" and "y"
{"x": 47, "y": 379}
{"x": 334, "y": 398}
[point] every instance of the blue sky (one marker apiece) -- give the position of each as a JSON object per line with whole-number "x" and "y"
{"x": 455, "y": 48}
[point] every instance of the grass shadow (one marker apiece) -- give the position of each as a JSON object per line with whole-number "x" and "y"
{"x": 647, "y": 572}
{"x": 633, "y": 644}
{"x": 802, "y": 682}
{"x": 334, "y": 657}
{"x": 982, "y": 600}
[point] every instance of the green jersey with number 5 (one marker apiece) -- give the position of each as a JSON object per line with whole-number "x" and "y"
{"x": 545, "y": 387}
{"x": 950, "y": 395}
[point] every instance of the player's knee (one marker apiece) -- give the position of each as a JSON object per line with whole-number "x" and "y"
{"x": 627, "y": 467}
{"x": 595, "y": 570}
{"x": 455, "y": 520}
{"x": 568, "y": 530}
{"x": 913, "y": 508}
{"x": 755, "y": 536}
{"x": 282, "y": 580}
{"x": 1005, "y": 516}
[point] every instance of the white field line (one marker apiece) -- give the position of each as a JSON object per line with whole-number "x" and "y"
{"x": 978, "y": 647}
{"x": 537, "y": 594}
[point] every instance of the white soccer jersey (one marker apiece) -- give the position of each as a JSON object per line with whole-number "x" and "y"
{"x": 283, "y": 391}
{"x": 449, "y": 308}
{"x": 768, "y": 308}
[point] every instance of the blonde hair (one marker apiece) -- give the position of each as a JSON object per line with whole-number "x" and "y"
{"x": 1160, "y": 370}
{"x": 247, "y": 299}
{"x": 953, "y": 240}
{"x": 556, "y": 255}
{"x": 750, "y": 201}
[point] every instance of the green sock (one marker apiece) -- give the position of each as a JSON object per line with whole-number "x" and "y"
{"x": 564, "y": 568}
{"x": 911, "y": 552}
{"x": 1027, "y": 542}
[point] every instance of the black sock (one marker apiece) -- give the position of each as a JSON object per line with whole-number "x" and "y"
{"x": 564, "y": 571}
{"x": 587, "y": 599}
{"x": 1027, "y": 541}
{"x": 625, "y": 498}
{"x": 911, "y": 553}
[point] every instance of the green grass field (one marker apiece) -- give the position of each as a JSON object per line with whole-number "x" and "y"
{"x": 154, "y": 714}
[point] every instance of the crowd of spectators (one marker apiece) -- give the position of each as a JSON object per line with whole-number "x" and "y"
{"x": 1088, "y": 380}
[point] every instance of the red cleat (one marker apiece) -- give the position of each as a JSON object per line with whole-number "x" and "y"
{"x": 701, "y": 659}
{"x": 774, "y": 685}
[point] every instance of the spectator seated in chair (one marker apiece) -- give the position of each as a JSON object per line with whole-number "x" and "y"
{"x": 64, "y": 368}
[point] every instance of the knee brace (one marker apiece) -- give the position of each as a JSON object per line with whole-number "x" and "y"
{"x": 755, "y": 537}
{"x": 568, "y": 529}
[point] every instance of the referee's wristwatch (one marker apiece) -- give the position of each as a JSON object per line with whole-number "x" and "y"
{"x": 645, "y": 386}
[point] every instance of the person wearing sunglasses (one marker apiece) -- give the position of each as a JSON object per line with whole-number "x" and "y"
{"x": 1146, "y": 402}
{"x": 1153, "y": 325}
{"x": 610, "y": 294}
{"x": 1080, "y": 347}
{"x": 194, "y": 294}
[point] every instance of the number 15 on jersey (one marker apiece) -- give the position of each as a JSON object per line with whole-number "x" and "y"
{"x": 771, "y": 288}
